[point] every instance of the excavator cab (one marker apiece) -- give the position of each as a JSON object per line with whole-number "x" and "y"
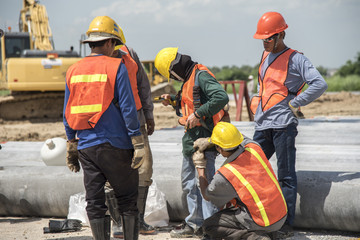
{"x": 15, "y": 43}
{"x": 25, "y": 69}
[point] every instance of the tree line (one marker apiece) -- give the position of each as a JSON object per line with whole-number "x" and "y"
{"x": 228, "y": 73}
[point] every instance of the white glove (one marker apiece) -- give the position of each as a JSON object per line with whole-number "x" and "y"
{"x": 200, "y": 145}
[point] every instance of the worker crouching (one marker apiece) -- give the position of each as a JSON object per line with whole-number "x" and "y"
{"x": 245, "y": 184}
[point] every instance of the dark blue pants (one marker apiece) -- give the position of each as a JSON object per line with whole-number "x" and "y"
{"x": 103, "y": 163}
{"x": 282, "y": 142}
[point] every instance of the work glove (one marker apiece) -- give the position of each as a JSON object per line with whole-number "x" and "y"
{"x": 72, "y": 160}
{"x": 68, "y": 225}
{"x": 200, "y": 145}
{"x": 296, "y": 112}
{"x": 139, "y": 151}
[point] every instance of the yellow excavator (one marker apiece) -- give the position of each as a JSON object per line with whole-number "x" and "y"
{"x": 31, "y": 69}
{"x": 34, "y": 72}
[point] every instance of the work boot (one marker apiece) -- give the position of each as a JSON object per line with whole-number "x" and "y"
{"x": 285, "y": 231}
{"x": 141, "y": 203}
{"x": 255, "y": 236}
{"x": 130, "y": 226}
{"x": 100, "y": 228}
{"x": 185, "y": 232}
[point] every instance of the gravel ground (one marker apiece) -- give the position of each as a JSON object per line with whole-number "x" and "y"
{"x": 18, "y": 228}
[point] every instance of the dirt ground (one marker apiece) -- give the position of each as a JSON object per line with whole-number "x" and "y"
{"x": 330, "y": 104}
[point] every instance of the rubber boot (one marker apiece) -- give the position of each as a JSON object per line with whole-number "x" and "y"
{"x": 130, "y": 226}
{"x": 100, "y": 228}
{"x": 141, "y": 203}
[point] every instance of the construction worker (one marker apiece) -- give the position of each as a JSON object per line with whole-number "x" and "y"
{"x": 282, "y": 74}
{"x": 245, "y": 184}
{"x": 142, "y": 93}
{"x": 202, "y": 100}
{"x": 110, "y": 146}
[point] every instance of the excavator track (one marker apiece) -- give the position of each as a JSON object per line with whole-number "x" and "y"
{"x": 32, "y": 106}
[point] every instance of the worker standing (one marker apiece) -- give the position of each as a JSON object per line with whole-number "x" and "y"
{"x": 282, "y": 74}
{"x": 201, "y": 100}
{"x": 142, "y": 95}
{"x": 110, "y": 146}
{"x": 245, "y": 184}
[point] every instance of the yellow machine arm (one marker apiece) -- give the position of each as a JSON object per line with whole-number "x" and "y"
{"x": 34, "y": 19}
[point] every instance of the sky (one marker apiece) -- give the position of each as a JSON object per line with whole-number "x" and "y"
{"x": 213, "y": 32}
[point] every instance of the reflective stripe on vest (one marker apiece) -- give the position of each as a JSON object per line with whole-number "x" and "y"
{"x": 272, "y": 87}
{"x": 88, "y": 78}
{"x": 132, "y": 69}
{"x": 91, "y": 83}
{"x": 187, "y": 99}
{"x": 256, "y": 185}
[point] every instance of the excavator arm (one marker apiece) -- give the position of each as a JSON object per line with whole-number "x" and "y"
{"x": 34, "y": 20}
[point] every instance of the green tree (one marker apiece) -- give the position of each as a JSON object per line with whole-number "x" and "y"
{"x": 350, "y": 68}
{"x": 322, "y": 70}
{"x": 227, "y": 73}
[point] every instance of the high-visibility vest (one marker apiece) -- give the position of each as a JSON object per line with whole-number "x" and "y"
{"x": 256, "y": 185}
{"x": 272, "y": 87}
{"x": 187, "y": 98}
{"x": 91, "y": 83}
{"x": 132, "y": 69}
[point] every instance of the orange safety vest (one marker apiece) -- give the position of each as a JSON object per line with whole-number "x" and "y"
{"x": 132, "y": 69}
{"x": 272, "y": 87}
{"x": 256, "y": 185}
{"x": 187, "y": 99}
{"x": 91, "y": 83}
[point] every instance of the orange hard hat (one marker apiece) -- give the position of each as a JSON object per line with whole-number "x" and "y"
{"x": 269, "y": 24}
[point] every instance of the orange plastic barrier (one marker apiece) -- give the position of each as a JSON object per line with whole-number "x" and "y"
{"x": 243, "y": 93}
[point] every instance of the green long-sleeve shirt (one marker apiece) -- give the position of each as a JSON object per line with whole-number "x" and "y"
{"x": 213, "y": 98}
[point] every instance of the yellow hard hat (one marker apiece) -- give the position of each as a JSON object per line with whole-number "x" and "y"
{"x": 102, "y": 28}
{"x": 226, "y": 136}
{"x": 163, "y": 60}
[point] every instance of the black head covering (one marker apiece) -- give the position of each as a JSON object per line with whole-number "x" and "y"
{"x": 184, "y": 67}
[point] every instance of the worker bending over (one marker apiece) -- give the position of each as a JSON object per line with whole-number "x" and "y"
{"x": 201, "y": 101}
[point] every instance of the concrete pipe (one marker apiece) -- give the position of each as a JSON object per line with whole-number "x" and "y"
{"x": 37, "y": 191}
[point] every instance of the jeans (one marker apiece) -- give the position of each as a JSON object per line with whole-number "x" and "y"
{"x": 282, "y": 142}
{"x": 199, "y": 208}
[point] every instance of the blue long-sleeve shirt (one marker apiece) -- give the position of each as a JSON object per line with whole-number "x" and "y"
{"x": 300, "y": 71}
{"x": 117, "y": 124}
